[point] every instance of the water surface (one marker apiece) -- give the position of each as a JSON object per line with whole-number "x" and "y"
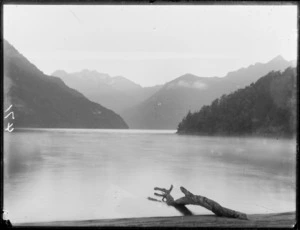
{"x": 77, "y": 174}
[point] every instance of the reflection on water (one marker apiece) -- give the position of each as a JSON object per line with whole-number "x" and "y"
{"x": 70, "y": 174}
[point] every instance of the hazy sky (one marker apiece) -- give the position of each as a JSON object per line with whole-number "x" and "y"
{"x": 151, "y": 44}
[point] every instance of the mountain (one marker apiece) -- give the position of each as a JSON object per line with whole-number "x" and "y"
{"x": 117, "y": 93}
{"x": 87, "y": 79}
{"x": 166, "y": 108}
{"x": 246, "y": 76}
{"x": 123, "y": 84}
{"x": 43, "y": 101}
{"x": 266, "y": 107}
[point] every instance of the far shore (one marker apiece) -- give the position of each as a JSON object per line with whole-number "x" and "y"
{"x": 280, "y": 220}
{"x": 233, "y": 135}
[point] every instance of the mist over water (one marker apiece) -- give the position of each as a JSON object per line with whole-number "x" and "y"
{"x": 73, "y": 174}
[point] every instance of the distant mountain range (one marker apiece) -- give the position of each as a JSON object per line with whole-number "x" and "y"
{"x": 166, "y": 108}
{"x": 47, "y": 102}
{"x": 116, "y": 93}
{"x": 53, "y": 101}
{"x": 266, "y": 107}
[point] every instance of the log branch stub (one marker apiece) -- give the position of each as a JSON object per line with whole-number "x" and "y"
{"x": 166, "y": 195}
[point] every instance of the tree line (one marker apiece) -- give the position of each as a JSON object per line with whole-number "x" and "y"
{"x": 266, "y": 107}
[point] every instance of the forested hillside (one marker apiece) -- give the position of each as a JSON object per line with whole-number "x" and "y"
{"x": 266, "y": 107}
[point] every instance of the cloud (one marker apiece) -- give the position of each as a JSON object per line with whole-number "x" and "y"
{"x": 199, "y": 85}
{"x": 186, "y": 84}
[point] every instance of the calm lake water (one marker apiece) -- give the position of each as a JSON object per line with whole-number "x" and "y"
{"x": 68, "y": 174}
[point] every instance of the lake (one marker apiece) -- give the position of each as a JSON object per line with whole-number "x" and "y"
{"x": 78, "y": 174}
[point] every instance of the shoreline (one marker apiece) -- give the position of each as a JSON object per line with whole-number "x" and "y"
{"x": 286, "y": 219}
{"x": 249, "y": 135}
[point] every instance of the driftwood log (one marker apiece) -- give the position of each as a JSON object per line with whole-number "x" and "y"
{"x": 190, "y": 198}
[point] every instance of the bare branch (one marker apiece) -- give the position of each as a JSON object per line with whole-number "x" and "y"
{"x": 191, "y": 199}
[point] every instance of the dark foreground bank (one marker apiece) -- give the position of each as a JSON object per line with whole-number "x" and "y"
{"x": 287, "y": 219}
